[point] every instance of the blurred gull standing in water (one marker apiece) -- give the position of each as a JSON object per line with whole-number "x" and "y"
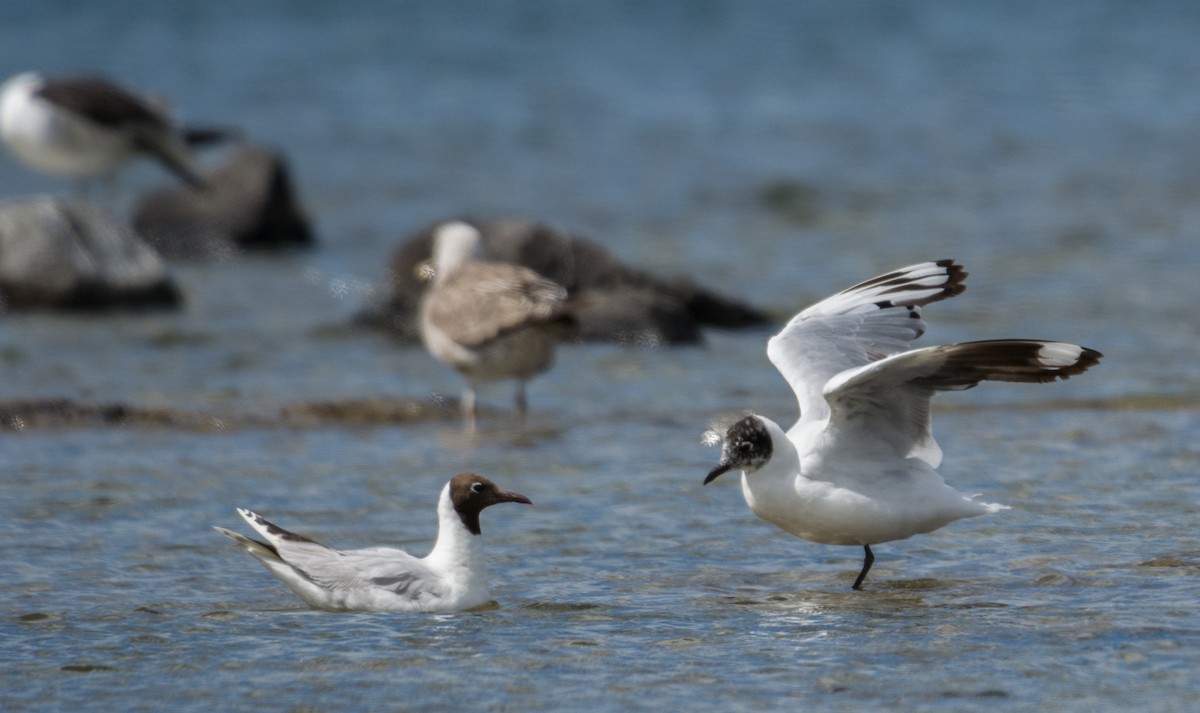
{"x": 859, "y": 467}
{"x": 489, "y": 321}
{"x": 85, "y": 127}
{"x": 452, "y": 577}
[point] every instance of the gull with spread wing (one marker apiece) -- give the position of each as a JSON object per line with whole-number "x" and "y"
{"x": 859, "y": 466}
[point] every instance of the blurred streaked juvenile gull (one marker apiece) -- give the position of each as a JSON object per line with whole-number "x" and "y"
{"x": 859, "y": 466}
{"x": 86, "y": 126}
{"x": 490, "y": 321}
{"x": 452, "y": 577}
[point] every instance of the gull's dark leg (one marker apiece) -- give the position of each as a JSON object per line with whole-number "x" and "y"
{"x": 522, "y": 403}
{"x": 867, "y": 562}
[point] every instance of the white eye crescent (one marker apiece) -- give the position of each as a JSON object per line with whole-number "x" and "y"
{"x": 477, "y": 487}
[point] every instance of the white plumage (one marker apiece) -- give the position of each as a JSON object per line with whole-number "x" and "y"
{"x": 858, "y": 467}
{"x": 452, "y": 577}
{"x": 83, "y": 127}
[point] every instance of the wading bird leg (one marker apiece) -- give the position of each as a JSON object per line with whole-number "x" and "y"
{"x": 468, "y": 407}
{"x": 522, "y": 403}
{"x": 867, "y": 562}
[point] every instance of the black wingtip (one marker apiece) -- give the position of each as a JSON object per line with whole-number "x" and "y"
{"x": 956, "y": 277}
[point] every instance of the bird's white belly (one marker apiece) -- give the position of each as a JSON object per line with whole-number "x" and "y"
{"x": 835, "y": 515}
{"x": 519, "y": 354}
{"x": 472, "y": 591}
{"x": 384, "y": 600}
{"x": 59, "y": 143}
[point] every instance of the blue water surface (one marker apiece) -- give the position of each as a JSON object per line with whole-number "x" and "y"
{"x": 777, "y": 151}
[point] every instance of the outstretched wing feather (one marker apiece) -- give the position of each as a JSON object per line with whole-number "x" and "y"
{"x": 864, "y": 323}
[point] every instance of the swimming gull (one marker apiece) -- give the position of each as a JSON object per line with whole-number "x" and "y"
{"x": 452, "y": 577}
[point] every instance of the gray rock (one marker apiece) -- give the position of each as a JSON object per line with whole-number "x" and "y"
{"x": 638, "y": 315}
{"x": 612, "y": 301}
{"x": 75, "y": 255}
{"x": 249, "y": 205}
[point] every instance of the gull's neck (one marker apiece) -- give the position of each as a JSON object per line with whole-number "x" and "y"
{"x": 456, "y": 548}
{"x": 775, "y": 481}
{"x": 455, "y": 244}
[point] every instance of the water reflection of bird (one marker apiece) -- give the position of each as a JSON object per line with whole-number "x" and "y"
{"x": 489, "y": 321}
{"x": 85, "y": 127}
{"x": 859, "y": 467}
{"x": 452, "y": 577}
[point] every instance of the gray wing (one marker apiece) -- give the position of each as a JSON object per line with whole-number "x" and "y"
{"x": 386, "y": 568}
{"x": 885, "y": 404}
{"x": 374, "y": 567}
{"x": 862, "y": 324}
{"x": 102, "y": 102}
{"x": 148, "y": 128}
{"x": 483, "y": 300}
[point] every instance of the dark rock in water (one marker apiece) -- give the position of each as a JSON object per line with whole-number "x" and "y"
{"x": 614, "y": 302}
{"x": 635, "y": 314}
{"x": 367, "y": 412}
{"x": 47, "y": 414}
{"x": 249, "y": 205}
{"x": 75, "y": 255}
{"x": 64, "y": 413}
{"x": 795, "y": 200}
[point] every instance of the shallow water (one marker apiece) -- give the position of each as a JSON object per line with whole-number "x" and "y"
{"x": 627, "y": 585}
{"x": 782, "y": 151}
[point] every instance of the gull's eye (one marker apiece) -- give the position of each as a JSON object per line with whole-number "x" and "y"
{"x": 477, "y": 487}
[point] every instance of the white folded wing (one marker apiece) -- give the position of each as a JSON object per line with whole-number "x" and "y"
{"x": 383, "y": 568}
